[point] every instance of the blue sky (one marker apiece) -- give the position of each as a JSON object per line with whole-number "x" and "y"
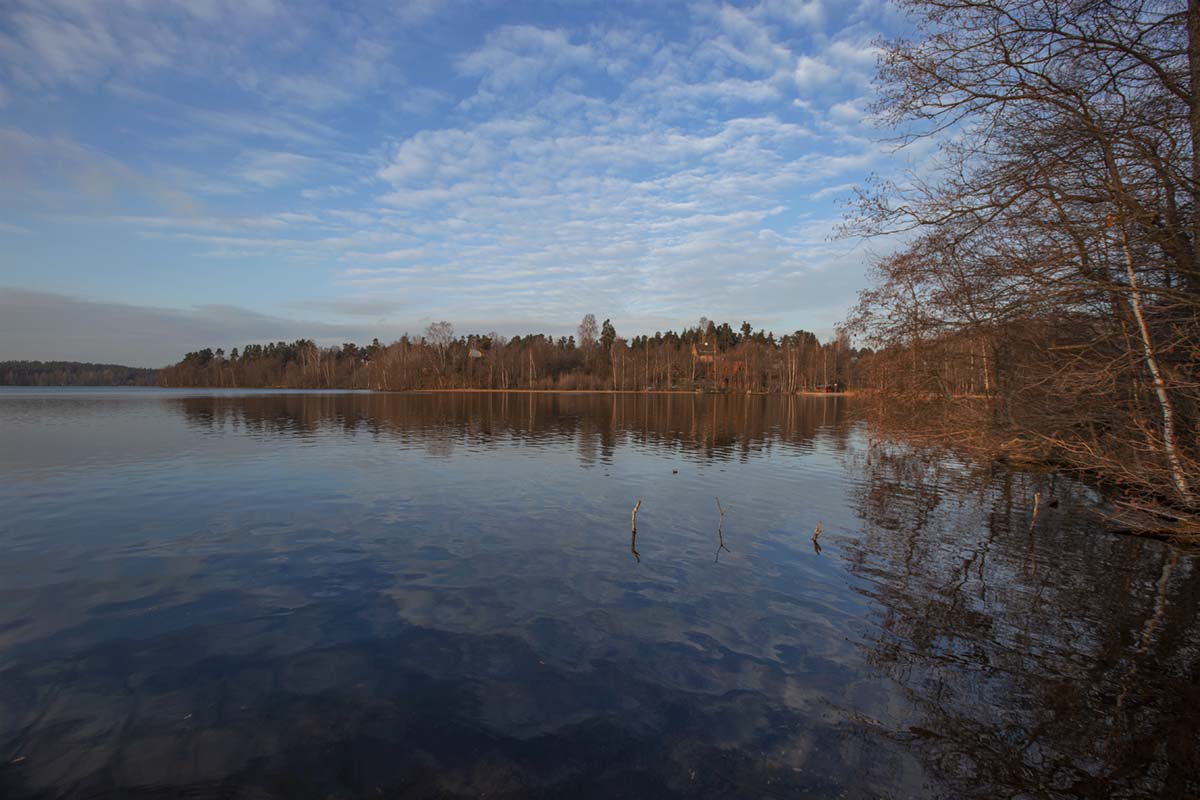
{"x": 213, "y": 172}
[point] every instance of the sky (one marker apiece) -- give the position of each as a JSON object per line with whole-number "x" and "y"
{"x": 208, "y": 173}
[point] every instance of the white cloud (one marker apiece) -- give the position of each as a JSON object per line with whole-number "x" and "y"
{"x": 847, "y": 112}
{"x": 519, "y": 55}
{"x": 833, "y": 191}
{"x": 52, "y": 42}
{"x": 433, "y": 157}
{"x": 801, "y": 13}
{"x": 421, "y": 101}
{"x": 271, "y": 168}
{"x": 859, "y": 53}
{"x": 747, "y": 43}
{"x": 812, "y": 72}
{"x": 60, "y": 173}
{"x": 399, "y": 254}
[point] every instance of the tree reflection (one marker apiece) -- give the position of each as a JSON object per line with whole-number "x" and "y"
{"x": 263, "y": 617}
{"x": 1048, "y": 661}
{"x": 705, "y": 427}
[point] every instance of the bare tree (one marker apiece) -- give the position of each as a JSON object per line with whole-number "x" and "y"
{"x": 588, "y": 331}
{"x": 440, "y": 335}
{"x": 1061, "y": 229}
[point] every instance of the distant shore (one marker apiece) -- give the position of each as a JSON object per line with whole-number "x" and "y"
{"x": 693, "y": 392}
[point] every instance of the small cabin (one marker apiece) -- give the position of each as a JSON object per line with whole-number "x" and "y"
{"x": 704, "y": 354}
{"x": 722, "y": 370}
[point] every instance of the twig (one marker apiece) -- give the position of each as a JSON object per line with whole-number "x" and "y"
{"x": 633, "y": 531}
{"x": 1037, "y": 501}
{"x": 817, "y": 535}
{"x": 720, "y": 533}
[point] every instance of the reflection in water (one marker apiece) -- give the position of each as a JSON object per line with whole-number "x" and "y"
{"x": 1040, "y": 660}
{"x": 700, "y": 427}
{"x": 315, "y": 595}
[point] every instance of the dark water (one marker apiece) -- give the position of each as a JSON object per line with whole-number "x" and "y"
{"x": 350, "y": 595}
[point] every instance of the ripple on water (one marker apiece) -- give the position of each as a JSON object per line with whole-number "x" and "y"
{"x": 317, "y": 594}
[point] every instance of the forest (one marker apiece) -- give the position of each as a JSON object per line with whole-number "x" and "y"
{"x": 73, "y": 373}
{"x": 707, "y": 356}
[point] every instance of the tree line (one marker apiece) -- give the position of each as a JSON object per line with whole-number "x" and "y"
{"x": 1053, "y": 257}
{"x": 707, "y": 356}
{"x": 73, "y": 373}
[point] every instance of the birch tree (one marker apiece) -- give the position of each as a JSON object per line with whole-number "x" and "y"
{"x": 1064, "y": 202}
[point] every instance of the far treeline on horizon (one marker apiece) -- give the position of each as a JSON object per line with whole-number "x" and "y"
{"x": 1039, "y": 293}
{"x": 708, "y": 356}
{"x": 73, "y": 373}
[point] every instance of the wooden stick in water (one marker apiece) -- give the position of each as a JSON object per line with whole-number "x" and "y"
{"x": 633, "y": 531}
{"x": 720, "y": 532}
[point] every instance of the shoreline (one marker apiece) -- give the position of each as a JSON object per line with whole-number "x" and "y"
{"x": 691, "y": 392}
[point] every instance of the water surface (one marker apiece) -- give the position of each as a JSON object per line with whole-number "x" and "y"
{"x": 278, "y": 595}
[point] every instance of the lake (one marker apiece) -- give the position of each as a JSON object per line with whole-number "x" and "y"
{"x": 334, "y": 595}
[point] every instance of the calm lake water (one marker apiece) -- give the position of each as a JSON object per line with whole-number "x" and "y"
{"x": 288, "y": 595}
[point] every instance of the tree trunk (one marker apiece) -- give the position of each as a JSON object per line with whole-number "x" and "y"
{"x": 1160, "y": 386}
{"x": 1193, "y": 33}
